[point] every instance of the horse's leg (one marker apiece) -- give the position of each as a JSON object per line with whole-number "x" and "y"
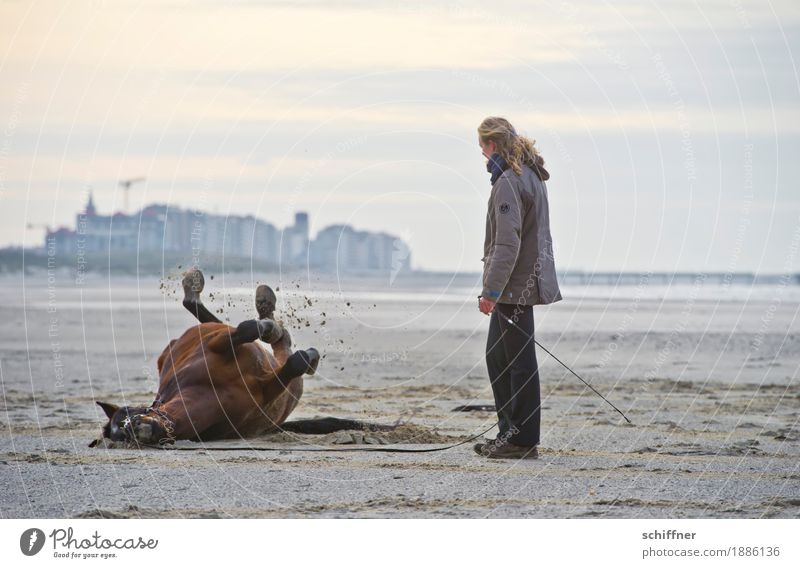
{"x": 282, "y": 348}
{"x": 193, "y": 284}
{"x": 248, "y": 331}
{"x": 290, "y": 365}
{"x": 302, "y": 362}
{"x": 265, "y": 306}
{"x": 329, "y": 424}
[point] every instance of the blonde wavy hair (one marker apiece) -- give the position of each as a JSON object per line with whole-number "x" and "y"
{"x": 516, "y": 150}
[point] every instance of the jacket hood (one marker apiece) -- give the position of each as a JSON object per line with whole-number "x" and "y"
{"x": 497, "y": 165}
{"x": 538, "y": 169}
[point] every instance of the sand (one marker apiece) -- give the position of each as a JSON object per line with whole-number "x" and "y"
{"x": 710, "y": 386}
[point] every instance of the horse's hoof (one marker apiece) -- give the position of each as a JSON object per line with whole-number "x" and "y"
{"x": 265, "y": 302}
{"x": 313, "y": 360}
{"x": 269, "y": 331}
{"x": 193, "y": 283}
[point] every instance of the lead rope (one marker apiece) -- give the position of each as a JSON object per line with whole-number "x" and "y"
{"x": 317, "y": 449}
{"x": 169, "y": 426}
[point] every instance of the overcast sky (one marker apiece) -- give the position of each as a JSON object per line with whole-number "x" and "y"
{"x": 670, "y": 129}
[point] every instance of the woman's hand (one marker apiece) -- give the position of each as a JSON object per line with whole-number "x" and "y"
{"x": 485, "y": 305}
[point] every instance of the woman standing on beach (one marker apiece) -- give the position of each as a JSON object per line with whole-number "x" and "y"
{"x": 518, "y": 273}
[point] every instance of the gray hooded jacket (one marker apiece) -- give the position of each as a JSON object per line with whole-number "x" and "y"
{"x": 519, "y": 267}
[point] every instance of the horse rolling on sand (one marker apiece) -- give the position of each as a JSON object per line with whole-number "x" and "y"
{"x": 217, "y": 381}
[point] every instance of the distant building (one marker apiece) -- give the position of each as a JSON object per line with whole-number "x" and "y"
{"x": 60, "y": 242}
{"x": 163, "y": 229}
{"x": 340, "y": 247}
{"x": 295, "y": 242}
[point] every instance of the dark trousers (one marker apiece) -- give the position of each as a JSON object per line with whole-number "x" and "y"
{"x": 514, "y": 374}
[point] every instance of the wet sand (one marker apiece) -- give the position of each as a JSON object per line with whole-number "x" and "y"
{"x": 710, "y": 386}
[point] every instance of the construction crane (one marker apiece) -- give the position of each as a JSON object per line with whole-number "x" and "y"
{"x": 126, "y": 184}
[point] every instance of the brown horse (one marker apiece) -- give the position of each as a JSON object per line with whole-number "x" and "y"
{"x": 218, "y": 381}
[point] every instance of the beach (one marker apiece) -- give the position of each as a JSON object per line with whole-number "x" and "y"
{"x": 707, "y": 376}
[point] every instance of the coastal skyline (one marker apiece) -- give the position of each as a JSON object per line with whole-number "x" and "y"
{"x": 662, "y": 125}
{"x": 195, "y": 234}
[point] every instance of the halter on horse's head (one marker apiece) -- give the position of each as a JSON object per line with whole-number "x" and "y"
{"x": 137, "y": 424}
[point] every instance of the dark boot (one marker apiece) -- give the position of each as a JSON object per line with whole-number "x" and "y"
{"x": 506, "y": 450}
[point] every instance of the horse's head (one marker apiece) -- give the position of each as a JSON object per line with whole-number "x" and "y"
{"x": 130, "y": 424}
